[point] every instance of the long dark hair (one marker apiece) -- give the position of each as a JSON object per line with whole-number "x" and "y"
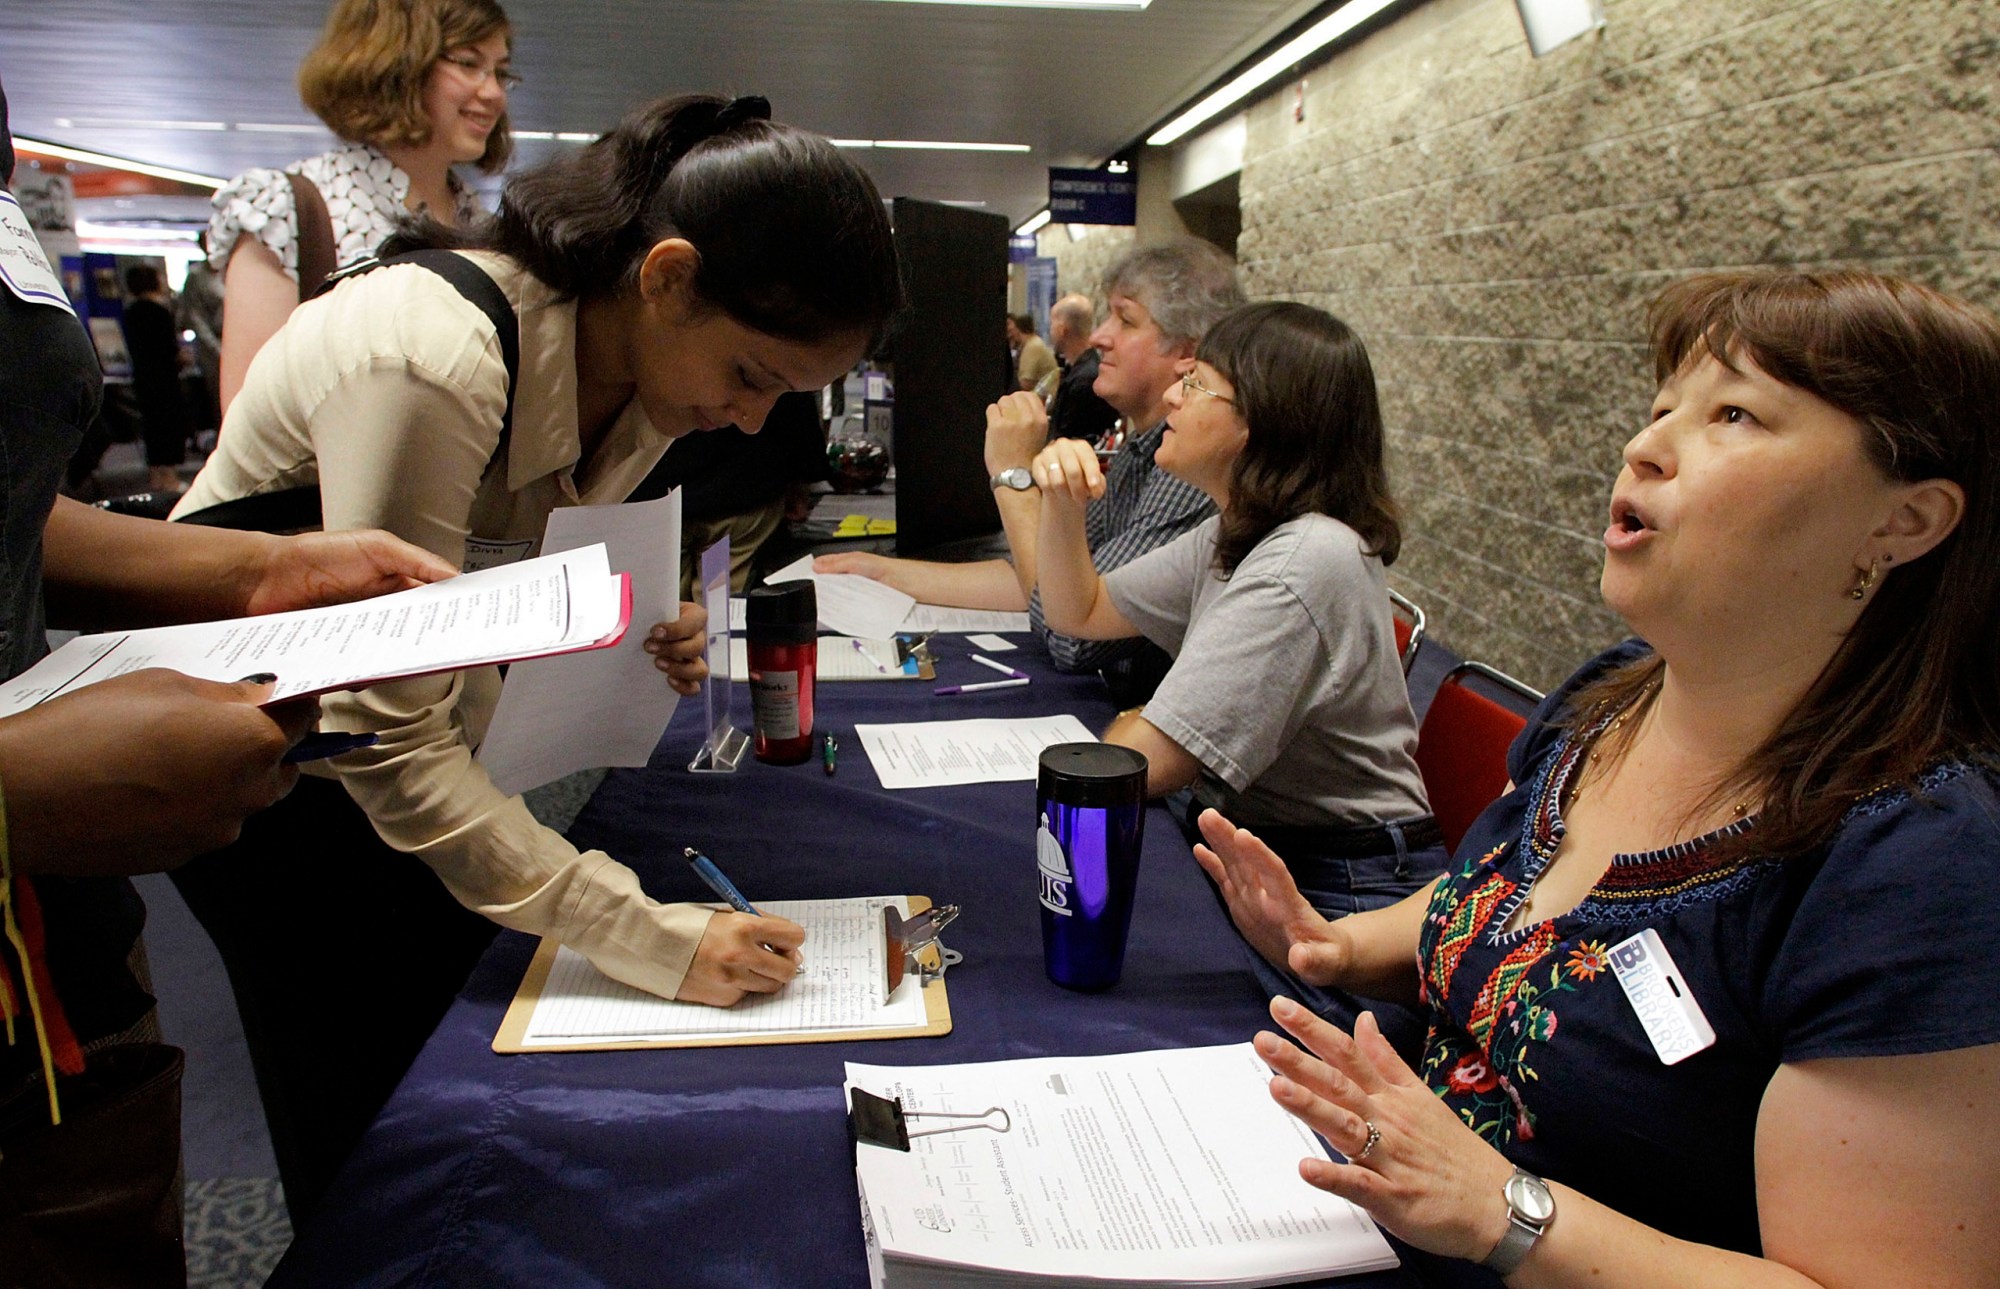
{"x": 1917, "y": 679}
{"x": 1306, "y": 390}
{"x": 793, "y": 238}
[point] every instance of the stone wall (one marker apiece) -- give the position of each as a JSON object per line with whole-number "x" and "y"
{"x": 1493, "y": 225}
{"x": 1079, "y": 265}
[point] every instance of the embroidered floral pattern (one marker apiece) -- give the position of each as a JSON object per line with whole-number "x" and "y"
{"x": 1492, "y": 1013}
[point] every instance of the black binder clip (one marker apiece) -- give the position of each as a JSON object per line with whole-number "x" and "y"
{"x": 909, "y": 940}
{"x": 882, "y": 1121}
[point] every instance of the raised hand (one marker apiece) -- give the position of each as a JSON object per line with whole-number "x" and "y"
{"x": 1412, "y": 1163}
{"x": 1265, "y": 903}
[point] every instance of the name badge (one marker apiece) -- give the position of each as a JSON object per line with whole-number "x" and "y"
{"x": 481, "y": 554}
{"x": 23, "y": 266}
{"x": 1659, "y": 994}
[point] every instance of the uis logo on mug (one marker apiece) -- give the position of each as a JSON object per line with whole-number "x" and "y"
{"x": 1054, "y": 866}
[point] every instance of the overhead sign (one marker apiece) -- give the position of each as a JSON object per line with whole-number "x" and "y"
{"x": 1021, "y": 248}
{"x": 1093, "y": 197}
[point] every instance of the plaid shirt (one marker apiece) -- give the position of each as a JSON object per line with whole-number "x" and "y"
{"x": 1143, "y": 508}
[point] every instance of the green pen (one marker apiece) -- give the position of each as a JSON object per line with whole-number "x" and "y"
{"x": 827, "y": 750}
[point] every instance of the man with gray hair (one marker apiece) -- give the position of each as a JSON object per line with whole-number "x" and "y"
{"x": 1075, "y": 410}
{"x": 1160, "y": 298}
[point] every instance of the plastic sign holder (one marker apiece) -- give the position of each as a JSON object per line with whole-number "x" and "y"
{"x": 722, "y": 751}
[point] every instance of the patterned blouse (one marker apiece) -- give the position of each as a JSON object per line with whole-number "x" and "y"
{"x": 364, "y": 193}
{"x": 1879, "y": 943}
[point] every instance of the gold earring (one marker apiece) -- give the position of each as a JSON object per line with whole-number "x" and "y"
{"x": 1862, "y": 583}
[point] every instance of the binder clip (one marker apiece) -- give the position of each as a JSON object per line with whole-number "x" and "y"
{"x": 913, "y": 644}
{"x": 908, "y": 939}
{"x": 882, "y": 1121}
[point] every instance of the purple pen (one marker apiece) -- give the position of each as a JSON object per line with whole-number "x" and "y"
{"x": 865, "y": 652}
{"x": 1000, "y": 667}
{"x": 985, "y": 684}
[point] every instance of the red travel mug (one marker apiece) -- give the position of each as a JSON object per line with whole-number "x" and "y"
{"x": 782, "y": 622}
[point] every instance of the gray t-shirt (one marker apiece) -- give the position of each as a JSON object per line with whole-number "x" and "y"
{"x": 1286, "y": 684}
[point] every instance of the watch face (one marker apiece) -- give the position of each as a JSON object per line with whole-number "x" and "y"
{"x": 1529, "y": 1196}
{"x": 1016, "y": 478}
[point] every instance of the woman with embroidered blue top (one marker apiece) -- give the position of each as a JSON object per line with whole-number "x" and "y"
{"x": 412, "y": 87}
{"x": 1714, "y": 992}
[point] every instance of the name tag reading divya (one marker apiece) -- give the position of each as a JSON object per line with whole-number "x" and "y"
{"x": 1659, "y": 995}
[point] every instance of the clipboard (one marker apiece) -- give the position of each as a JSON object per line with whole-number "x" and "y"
{"x": 511, "y": 1040}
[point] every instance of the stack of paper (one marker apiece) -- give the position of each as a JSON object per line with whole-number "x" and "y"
{"x": 555, "y": 604}
{"x": 1152, "y": 1168}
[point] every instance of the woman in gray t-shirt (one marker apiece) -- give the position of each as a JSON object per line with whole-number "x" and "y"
{"x": 1286, "y": 708}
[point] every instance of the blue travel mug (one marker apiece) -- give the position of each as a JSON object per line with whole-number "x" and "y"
{"x": 1090, "y": 799}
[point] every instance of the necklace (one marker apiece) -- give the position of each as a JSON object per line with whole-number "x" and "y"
{"x": 1640, "y": 703}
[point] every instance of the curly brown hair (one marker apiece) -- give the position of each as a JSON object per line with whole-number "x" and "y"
{"x": 366, "y": 76}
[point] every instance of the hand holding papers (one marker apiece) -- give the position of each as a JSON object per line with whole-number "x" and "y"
{"x": 556, "y": 604}
{"x": 849, "y": 603}
{"x": 1152, "y": 1168}
{"x": 570, "y": 714}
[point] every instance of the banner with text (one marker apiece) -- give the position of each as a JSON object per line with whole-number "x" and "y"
{"x": 1093, "y": 197}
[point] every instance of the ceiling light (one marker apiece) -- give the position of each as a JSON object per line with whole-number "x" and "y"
{"x": 969, "y": 205}
{"x": 1126, "y": 6}
{"x": 931, "y": 145}
{"x": 934, "y": 145}
{"x": 576, "y": 136}
{"x": 91, "y": 230}
{"x": 1303, "y": 46}
{"x": 57, "y": 150}
{"x": 1034, "y": 224}
{"x": 536, "y": 135}
{"x": 280, "y": 127}
{"x": 121, "y": 123}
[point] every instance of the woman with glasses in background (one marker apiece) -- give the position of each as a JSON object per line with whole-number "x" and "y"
{"x": 1286, "y": 701}
{"x": 412, "y": 87}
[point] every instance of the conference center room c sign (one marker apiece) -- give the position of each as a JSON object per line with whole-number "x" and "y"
{"x": 1092, "y": 197}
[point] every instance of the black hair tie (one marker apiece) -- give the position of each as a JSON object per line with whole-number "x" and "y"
{"x": 750, "y": 107}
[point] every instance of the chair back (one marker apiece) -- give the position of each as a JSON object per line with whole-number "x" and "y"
{"x": 1462, "y": 745}
{"x": 1408, "y": 620}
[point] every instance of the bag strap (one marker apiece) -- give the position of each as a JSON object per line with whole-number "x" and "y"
{"x": 478, "y": 288}
{"x": 317, "y": 256}
{"x": 290, "y": 510}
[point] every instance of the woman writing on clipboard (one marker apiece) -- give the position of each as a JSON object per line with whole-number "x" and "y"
{"x": 681, "y": 273}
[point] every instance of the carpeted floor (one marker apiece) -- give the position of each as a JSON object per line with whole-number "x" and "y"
{"x": 237, "y": 1226}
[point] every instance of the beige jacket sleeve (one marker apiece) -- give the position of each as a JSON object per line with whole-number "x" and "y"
{"x": 402, "y": 447}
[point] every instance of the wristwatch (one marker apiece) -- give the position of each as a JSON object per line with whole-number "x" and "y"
{"x": 1531, "y": 1207}
{"x": 1016, "y": 478}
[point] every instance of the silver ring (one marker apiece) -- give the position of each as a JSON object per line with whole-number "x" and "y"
{"x": 1374, "y": 1140}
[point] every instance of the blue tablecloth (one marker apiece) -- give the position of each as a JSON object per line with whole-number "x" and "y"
{"x": 731, "y": 1166}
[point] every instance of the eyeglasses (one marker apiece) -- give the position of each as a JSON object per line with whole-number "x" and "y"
{"x": 477, "y": 72}
{"x": 1188, "y": 382}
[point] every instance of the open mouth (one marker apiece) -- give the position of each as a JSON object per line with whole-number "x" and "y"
{"x": 1625, "y": 517}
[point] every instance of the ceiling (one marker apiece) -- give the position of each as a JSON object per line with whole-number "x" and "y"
{"x": 1075, "y": 86}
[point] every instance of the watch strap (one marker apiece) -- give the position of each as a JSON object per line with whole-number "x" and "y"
{"x": 1513, "y": 1247}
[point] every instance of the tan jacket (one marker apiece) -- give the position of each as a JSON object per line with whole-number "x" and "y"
{"x": 389, "y": 392}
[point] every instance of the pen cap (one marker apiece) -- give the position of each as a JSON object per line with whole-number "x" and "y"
{"x": 1092, "y": 775}
{"x": 782, "y": 613}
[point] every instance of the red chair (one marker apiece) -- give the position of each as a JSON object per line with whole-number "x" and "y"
{"x": 1408, "y": 620}
{"x": 1462, "y": 745}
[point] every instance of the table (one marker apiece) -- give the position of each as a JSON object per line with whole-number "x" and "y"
{"x": 731, "y": 1166}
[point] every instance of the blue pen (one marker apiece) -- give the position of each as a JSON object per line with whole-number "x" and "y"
{"x": 315, "y": 746}
{"x": 705, "y": 869}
